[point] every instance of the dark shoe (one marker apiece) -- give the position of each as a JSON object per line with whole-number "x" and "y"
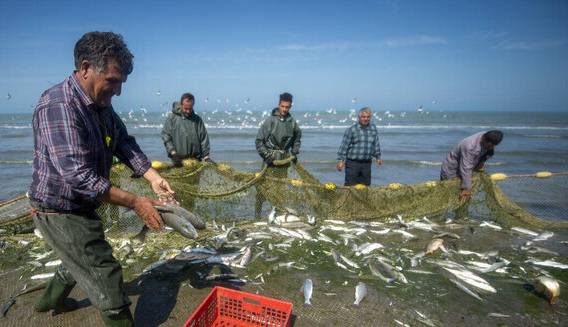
{"x": 54, "y": 297}
{"x": 121, "y": 319}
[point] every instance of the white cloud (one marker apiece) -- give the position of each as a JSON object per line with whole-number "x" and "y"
{"x": 529, "y": 45}
{"x": 420, "y": 40}
{"x": 413, "y": 41}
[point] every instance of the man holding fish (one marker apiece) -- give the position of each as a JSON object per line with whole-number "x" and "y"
{"x": 76, "y": 134}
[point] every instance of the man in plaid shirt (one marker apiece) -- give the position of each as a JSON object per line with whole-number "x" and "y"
{"x": 360, "y": 144}
{"x": 76, "y": 135}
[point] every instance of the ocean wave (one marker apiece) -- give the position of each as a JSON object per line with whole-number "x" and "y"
{"x": 426, "y": 163}
{"x": 16, "y": 162}
{"x": 151, "y": 126}
{"x": 16, "y": 126}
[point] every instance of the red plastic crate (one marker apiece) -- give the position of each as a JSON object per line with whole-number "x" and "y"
{"x": 227, "y": 307}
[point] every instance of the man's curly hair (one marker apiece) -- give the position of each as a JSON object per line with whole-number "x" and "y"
{"x": 99, "y": 47}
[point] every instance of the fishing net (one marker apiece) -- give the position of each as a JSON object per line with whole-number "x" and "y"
{"x": 222, "y": 193}
{"x": 349, "y": 217}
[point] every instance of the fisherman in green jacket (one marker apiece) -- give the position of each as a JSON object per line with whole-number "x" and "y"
{"x": 184, "y": 133}
{"x": 278, "y": 138}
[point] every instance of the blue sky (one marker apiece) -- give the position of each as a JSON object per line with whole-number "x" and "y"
{"x": 391, "y": 55}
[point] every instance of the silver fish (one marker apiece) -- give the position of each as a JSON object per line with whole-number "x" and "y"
{"x": 180, "y": 225}
{"x": 272, "y": 216}
{"x": 465, "y": 289}
{"x": 325, "y": 238}
{"x": 308, "y": 290}
{"x": 537, "y": 249}
{"x": 380, "y": 232}
{"x": 194, "y": 219}
{"x": 335, "y": 255}
{"x": 404, "y": 233}
{"x": 549, "y": 263}
{"x": 367, "y": 248}
{"x": 360, "y": 293}
{"x": 43, "y": 276}
{"x": 415, "y": 260}
{"x": 53, "y": 263}
{"x": 245, "y": 259}
{"x": 447, "y": 234}
{"x": 349, "y": 262}
{"x": 471, "y": 279}
{"x": 498, "y": 315}
{"x": 337, "y": 222}
{"x": 389, "y": 273}
{"x": 311, "y": 220}
{"x": 543, "y": 237}
{"x": 490, "y": 225}
{"x": 377, "y": 271}
{"x": 495, "y": 266}
{"x": 524, "y": 231}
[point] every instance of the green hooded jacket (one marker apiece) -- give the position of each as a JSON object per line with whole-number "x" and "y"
{"x": 186, "y": 135}
{"x": 277, "y": 136}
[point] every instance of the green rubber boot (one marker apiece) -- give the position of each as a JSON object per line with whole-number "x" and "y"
{"x": 121, "y": 319}
{"x": 55, "y": 297}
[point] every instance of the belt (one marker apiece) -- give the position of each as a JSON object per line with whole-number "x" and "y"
{"x": 360, "y": 160}
{"x": 40, "y": 207}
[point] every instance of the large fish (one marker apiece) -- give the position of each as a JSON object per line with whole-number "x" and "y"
{"x": 178, "y": 223}
{"x": 434, "y": 245}
{"x": 387, "y": 272}
{"x": 194, "y": 219}
{"x": 548, "y": 287}
{"x": 360, "y": 293}
{"x": 308, "y": 291}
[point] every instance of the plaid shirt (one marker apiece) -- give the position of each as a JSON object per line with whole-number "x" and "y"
{"x": 360, "y": 143}
{"x": 74, "y": 142}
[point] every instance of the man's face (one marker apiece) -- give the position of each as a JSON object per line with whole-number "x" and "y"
{"x": 488, "y": 146}
{"x": 187, "y": 106}
{"x": 106, "y": 84}
{"x": 284, "y": 108}
{"x": 364, "y": 118}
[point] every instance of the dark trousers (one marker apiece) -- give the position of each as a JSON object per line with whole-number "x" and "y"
{"x": 357, "y": 172}
{"x": 87, "y": 260}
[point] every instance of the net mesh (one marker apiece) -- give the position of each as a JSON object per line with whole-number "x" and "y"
{"x": 225, "y": 197}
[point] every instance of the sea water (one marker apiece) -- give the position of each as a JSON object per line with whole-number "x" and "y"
{"x": 413, "y": 144}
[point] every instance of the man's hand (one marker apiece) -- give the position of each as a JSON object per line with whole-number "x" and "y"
{"x": 176, "y": 160}
{"x": 340, "y": 165}
{"x": 144, "y": 208}
{"x": 480, "y": 167}
{"x": 379, "y": 162}
{"x": 269, "y": 161}
{"x": 163, "y": 190}
{"x": 465, "y": 195}
{"x": 209, "y": 160}
{"x": 160, "y": 186}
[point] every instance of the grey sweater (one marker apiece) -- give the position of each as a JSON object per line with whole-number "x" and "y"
{"x": 464, "y": 158}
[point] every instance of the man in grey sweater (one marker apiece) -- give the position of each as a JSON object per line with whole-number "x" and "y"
{"x": 469, "y": 155}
